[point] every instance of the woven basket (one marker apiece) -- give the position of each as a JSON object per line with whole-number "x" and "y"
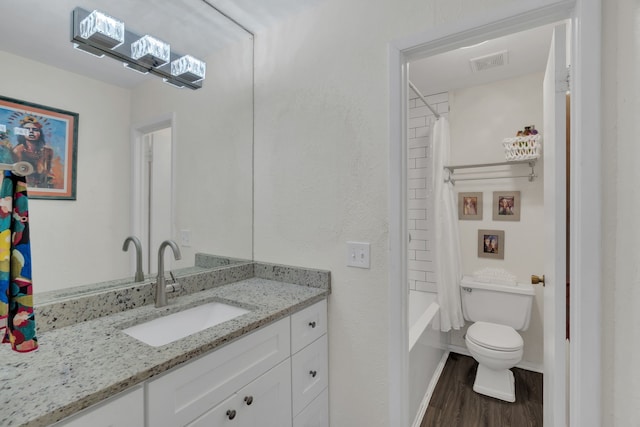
{"x": 522, "y": 147}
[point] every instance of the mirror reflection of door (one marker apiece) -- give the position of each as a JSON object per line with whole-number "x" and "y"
{"x": 157, "y": 184}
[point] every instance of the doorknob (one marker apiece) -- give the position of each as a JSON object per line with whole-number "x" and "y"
{"x": 537, "y": 279}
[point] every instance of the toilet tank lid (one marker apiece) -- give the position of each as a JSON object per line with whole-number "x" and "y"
{"x": 518, "y": 288}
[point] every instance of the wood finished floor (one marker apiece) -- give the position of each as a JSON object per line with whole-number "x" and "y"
{"x": 455, "y": 404}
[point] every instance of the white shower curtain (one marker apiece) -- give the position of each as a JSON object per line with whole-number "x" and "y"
{"x": 447, "y": 235}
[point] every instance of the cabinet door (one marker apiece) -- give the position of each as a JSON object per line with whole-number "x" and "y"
{"x": 124, "y": 410}
{"x": 265, "y": 402}
{"x": 309, "y": 373}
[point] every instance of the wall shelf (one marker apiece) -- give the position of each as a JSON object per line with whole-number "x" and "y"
{"x": 451, "y": 169}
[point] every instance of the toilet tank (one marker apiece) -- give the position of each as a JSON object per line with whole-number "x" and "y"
{"x": 497, "y": 303}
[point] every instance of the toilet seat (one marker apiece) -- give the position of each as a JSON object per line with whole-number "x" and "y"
{"x": 495, "y": 337}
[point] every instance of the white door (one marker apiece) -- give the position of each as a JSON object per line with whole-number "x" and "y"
{"x": 554, "y": 154}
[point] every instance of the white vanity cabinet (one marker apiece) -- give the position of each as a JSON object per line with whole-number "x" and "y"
{"x": 124, "y": 409}
{"x": 310, "y": 366}
{"x": 276, "y": 376}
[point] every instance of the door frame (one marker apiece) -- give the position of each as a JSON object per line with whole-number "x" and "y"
{"x": 585, "y": 221}
{"x": 137, "y": 201}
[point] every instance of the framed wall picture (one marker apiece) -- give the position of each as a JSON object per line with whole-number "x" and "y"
{"x": 470, "y": 206}
{"x": 45, "y": 137}
{"x": 491, "y": 244}
{"x": 506, "y": 206}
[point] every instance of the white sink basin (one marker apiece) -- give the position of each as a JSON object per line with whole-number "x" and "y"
{"x": 166, "y": 329}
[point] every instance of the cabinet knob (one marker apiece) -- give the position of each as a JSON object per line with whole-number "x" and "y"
{"x": 248, "y": 400}
{"x": 312, "y": 324}
{"x": 231, "y": 413}
{"x": 313, "y": 373}
{"x": 537, "y": 279}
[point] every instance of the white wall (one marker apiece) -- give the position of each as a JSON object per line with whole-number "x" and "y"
{"x": 621, "y": 205}
{"x": 321, "y": 171}
{"x": 481, "y": 117}
{"x": 93, "y": 226}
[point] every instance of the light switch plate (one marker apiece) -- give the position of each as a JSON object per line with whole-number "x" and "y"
{"x": 358, "y": 255}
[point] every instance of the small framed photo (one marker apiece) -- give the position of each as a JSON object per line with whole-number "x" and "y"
{"x": 491, "y": 244}
{"x": 506, "y": 206}
{"x": 470, "y": 206}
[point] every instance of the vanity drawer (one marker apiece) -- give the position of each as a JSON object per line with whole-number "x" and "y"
{"x": 187, "y": 392}
{"x": 308, "y": 325}
{"x": 309, "y": 373}
{"x": 316, "y": 414}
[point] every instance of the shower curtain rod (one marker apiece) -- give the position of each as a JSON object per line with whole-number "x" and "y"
{"x": 415, "y": 89}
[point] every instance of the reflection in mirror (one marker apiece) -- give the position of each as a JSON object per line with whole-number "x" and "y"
{"x": 195, "y": 187}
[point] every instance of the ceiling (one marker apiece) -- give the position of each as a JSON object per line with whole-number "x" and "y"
{"x": 40, "y": 29}
{"x": 527, "y": 53}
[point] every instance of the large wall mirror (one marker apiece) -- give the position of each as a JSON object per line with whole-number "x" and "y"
{"x": 197, "y": 189}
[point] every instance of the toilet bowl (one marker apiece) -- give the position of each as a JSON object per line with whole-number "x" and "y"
{"x": 497, "y": 349}
{"x": 497, "y": 312}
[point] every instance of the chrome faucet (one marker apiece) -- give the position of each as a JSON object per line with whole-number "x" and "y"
{"x": 161, "y": 287}
{"x": 136, "y": 242}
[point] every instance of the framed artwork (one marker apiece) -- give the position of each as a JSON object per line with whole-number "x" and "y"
{"x": 506, "y": 206}
{"x": 491, "y": 244}
{"x": 470, "y": 206}
{"x": 45, "y": 137}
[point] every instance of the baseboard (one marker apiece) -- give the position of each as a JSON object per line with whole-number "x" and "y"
{"x": 432, "y": 386}
{"x": 526, "y": 365}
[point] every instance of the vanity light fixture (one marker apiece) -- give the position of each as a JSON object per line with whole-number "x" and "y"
{"x": 151, "y": 51}
{"x": 102, "y": 29}
{"x": 101, "y": 35}
{"x": 189, "y": 68}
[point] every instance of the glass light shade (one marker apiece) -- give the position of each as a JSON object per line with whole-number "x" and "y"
{"x": 151, "y": 51}
{"x": 102, "y": 29}
{"x": 189, "y": 68}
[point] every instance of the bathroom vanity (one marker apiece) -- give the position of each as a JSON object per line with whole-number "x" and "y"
{"x": 266, "y": 367}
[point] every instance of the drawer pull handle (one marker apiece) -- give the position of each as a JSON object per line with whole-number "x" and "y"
{"x": 312, "y": 324}
{"x": 248, "y": 400}
{"x": 313, "y": 373}
{"x": 231, "y": 413}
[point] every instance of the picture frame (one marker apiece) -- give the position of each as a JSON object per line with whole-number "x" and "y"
{"x": 506, "y": 206}
{"x": 47, "y": 138}
{"x": 491, "y": 244}
{"x": 470, "y": 206}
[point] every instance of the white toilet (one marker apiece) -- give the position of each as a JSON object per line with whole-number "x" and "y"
{"x": 497, "y": 311}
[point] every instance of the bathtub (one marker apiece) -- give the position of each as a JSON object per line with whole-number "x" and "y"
{"x": 427, "y": 353}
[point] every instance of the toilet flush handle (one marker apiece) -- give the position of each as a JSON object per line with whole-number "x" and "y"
{"x": 537, "y": 279}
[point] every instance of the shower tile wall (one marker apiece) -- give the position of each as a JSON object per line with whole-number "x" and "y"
{"x": 420, "y": 207}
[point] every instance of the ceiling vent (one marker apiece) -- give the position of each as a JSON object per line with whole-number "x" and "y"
{"x": 482, "y": 63}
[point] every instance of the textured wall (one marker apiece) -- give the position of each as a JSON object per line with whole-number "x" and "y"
{"x": 621, "y": 204}
{"x": 321, "y": 171}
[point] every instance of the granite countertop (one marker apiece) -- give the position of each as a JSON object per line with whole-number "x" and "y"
{"x": 79, "y": 365}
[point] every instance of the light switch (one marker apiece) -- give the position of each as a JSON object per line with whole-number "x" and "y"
{"x": 358, "y": 255}
{"x": 185, "y": 238}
